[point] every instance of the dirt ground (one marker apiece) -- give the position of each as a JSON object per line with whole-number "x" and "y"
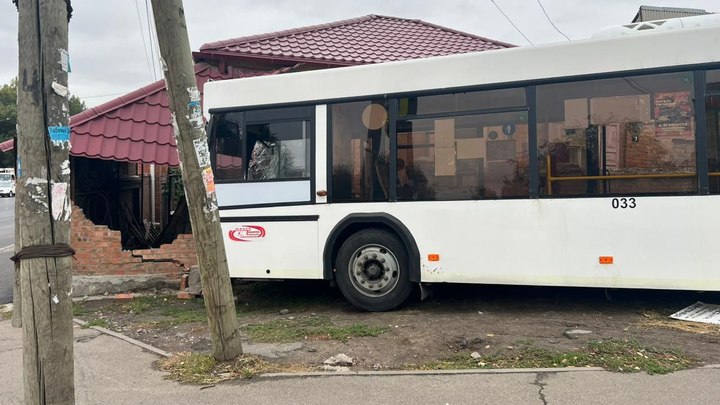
{"x": 457, "y": 319}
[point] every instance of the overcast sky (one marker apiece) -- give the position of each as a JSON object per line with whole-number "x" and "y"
{"x": 109, "y": 58}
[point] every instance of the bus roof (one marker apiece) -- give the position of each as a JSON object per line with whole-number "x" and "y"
{"x": 651, "y": 50}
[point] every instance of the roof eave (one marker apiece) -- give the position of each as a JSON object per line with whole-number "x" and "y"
{"x": 123, "y": 160}
{"x": 129, "y": 98}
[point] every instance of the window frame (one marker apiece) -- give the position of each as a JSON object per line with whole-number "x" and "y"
{"x": 698, "y": 89}
{"x": 304, "y": 113}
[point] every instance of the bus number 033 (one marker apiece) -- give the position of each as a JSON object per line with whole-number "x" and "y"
{"x": 623, "y": 203}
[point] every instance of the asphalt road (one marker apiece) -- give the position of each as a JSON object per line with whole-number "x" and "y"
{"x": 7, "y": 241}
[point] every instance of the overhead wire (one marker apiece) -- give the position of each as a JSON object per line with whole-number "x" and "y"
{"x": 142, "y": 35}
{"x": 103, "y": 95}
{"x": 151, "y": 35}
{"x": 512, "y": 23}
{"x": 550, "y": 21}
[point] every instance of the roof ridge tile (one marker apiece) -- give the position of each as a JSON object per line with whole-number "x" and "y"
{"x": 282, "y": 33}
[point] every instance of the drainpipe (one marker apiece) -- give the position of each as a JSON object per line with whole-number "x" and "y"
{"x": 152, "y": 193}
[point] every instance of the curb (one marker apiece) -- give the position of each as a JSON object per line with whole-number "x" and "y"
{"x": 432, "y": 372}
{"x": 447, "y": 372}
{"x": 124, "y": 338}
{"x": 123, "y": 296}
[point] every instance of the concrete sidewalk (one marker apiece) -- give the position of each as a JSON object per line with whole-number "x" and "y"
{"x": 111, "y": 371}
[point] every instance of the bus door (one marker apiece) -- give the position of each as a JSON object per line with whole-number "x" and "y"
{"x": 262, "y": 162}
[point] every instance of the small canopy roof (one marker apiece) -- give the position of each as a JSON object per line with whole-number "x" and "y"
{"x": 6, "y": 146}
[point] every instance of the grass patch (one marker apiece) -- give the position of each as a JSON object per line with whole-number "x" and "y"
{"x": 103, "y": 323}
{"x": 176, "y": 311}
{"x": 193, "y": 368}
{"x": 313, "y": 328}
{"x": 168, "y": 323}
{"x": 164, "y": 310}
{"x": 197, "y": 368}
{"x": 612, "y": 355}
{"x": 180, "y": 315}
{"x": 79, "y": 309}
{"x": 6, "y": 315}
{"x": 143, "y": 304}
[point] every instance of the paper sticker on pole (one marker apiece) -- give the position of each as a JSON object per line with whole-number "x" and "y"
{"x": 59, "y": 135}
{"x": 59, "y": 201}
{"x": 202, "y": 152}
{"x": 208, "y": 180}
{"x": 65, "y": 60}
{"x": 194, "y": 110}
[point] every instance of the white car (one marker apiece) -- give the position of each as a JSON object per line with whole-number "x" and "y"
{"x": 7, "y": 187}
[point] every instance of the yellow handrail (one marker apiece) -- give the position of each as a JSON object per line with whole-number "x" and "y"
{"x": 550, "y": 178}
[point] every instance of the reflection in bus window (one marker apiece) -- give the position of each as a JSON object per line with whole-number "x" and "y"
{"x": 465, "y": 157}
{"x": 228, "y": 147}
{"x": 630, "y": 135}
{"x": 360, "y": 151}
{"x": 712, "y": 117}
{"x": 469, "y": 101}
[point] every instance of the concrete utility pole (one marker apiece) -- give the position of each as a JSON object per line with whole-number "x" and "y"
{"x": 43, "y": 203}
{"x": 197, "y": 176}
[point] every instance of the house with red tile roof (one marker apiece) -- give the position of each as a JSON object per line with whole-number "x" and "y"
{"x": 114, "y": 144}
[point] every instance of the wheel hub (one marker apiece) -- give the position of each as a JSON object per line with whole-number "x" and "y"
{"x": 374, "y": 270}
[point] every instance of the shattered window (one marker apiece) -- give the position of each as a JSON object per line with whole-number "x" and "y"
{"x": 279, "y": 151}
{"x": 262, "y": 145}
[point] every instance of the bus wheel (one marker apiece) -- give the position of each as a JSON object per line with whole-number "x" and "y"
{"x": 372, "y": 270}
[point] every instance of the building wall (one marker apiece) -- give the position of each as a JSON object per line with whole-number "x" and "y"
{"x": 98, "y": 252}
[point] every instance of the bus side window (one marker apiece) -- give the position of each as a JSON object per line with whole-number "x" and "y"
{"x": 228, "y": 147}
{"x": 278, "y": 150}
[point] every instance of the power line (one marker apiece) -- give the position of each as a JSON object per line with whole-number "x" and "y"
{"x": 101, "y": 95}
{"x": 549, "y": 20}
{"x": 142, "y": 35}
{"x": 510, "y": 21}
{"x": 151, "y": 36}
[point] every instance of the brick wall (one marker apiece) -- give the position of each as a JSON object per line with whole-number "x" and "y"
{"x": 98, "y": 252}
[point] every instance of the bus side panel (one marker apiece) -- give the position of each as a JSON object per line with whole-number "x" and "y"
{"x": 663, "y": 242}
{"x": 272, "y": 250}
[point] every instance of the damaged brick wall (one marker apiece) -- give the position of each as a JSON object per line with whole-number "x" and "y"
{"x": 98, "y": 252}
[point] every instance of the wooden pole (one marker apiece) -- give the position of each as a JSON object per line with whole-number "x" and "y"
{"x": 17, "y": 301}
{"x": 43, "y": 203}
{"x": 197, "y": 176}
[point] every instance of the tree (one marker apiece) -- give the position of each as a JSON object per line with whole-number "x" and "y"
{"x": 76, "y": 105}
{"x": 8, "y": 119}
{"x": 8, "y": 116}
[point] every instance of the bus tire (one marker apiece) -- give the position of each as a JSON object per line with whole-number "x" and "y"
{"x": 372, "y": 270}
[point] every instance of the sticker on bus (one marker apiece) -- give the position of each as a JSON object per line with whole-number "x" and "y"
{"x": 247, "y": 233}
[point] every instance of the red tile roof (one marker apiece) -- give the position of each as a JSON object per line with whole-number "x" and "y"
{"x": 368, "y": 39}
{"x": 136, "y": 127}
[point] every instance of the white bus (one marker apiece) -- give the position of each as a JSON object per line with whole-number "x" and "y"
{"x": 591, "y": 163}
